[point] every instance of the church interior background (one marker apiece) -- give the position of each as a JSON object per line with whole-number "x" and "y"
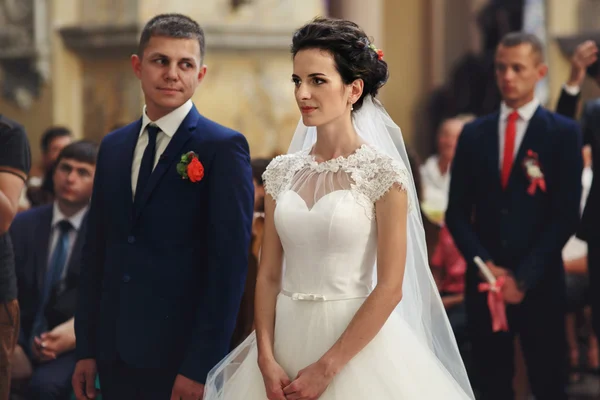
{"x": 66, "y": 62}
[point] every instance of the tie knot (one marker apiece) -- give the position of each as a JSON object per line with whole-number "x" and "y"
{"x": 513, "y": 116}
{"x": 64, "y": 226}
{"x": 153, "y": 131}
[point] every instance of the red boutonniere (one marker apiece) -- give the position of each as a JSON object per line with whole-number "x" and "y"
{"x": 190, "y": 167}
{"x": 534, "y": 172}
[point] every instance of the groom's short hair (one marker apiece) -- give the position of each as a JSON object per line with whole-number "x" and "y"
{"x": 176, "y": 26}
{"x": 514, "y": 39}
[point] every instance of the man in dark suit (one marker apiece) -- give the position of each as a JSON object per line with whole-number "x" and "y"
{"x": 514, "y": 202}
{"x": 585, "y": 59}
{"x": 166, "y": 251}
{"x": 47, "y": 242}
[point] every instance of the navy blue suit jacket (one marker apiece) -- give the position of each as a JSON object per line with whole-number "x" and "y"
{"x": 161, "y": 285}
{"x": 521, "y": 232}
{"x": 590, "y": 123}
{"x": 30, "y": 233}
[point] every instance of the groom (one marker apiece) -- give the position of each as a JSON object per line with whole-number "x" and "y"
{"x": 517, "y": 220}
{"x": 169, "y": 227}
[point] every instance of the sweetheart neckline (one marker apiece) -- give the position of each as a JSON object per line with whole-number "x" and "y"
{"x": 310, "y": 209}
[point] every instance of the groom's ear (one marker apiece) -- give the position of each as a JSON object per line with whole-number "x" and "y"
{"x": 202, "y": 73}
{"x": 136, "y": 65}
{"x": 542, "y": 70}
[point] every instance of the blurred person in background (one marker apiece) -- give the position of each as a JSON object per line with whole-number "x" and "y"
{"x": 15, "y": 163}
{"x": 514, "y": 202}
{"x": 435, "y": 172}
{"x": 40, "y": 189}
{"x": 575, "y": 259}
{"x": 585, "y": 61}
{"x": 48, "y": 242}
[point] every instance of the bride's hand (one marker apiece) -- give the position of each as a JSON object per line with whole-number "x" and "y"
{"x": 275, "y": 380}
{"x": 310, "y": 383}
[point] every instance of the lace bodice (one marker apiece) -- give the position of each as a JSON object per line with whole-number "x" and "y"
{"x": 325, "y": 220}
{"x": 367, "y": 172}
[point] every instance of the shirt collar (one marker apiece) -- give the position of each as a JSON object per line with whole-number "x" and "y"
{"x": 525, "y": 112}
{"x": 170, "y": 122}
{"x": 75, "y": 220}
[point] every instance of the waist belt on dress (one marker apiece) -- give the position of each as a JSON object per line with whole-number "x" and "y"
{"x": 321, "y": 297}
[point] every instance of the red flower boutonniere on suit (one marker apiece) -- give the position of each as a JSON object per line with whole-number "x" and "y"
{"x": 534, "y": 173}
{"x": 190, "y": 167}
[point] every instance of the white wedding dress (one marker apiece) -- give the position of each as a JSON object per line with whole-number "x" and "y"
{"x": 325, "y": 218}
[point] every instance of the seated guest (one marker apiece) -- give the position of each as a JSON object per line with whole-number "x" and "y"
{"x": 435, "y": 172}
{"x": 47, "y": 242}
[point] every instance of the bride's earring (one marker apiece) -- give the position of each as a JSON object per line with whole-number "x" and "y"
{"x": 352, "y": 108}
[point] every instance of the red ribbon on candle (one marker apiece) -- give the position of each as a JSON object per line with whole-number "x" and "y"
{"x": 496, "y": 304}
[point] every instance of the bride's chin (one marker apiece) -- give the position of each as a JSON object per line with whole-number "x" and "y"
{"x": 307, "y": 121}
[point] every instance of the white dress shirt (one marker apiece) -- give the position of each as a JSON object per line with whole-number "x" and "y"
{"x": 168, "y": 126}
{"x": 525, "y": 114}
{"x": 572, "y": 90}
{"x": 75, "y": 221}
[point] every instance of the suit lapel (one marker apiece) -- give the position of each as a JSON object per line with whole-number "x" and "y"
{"x": 42, "y": 243}
{"x": 493, "y": 149}
{"x": 171, "y": 153}
{"x": 128, "y": 148}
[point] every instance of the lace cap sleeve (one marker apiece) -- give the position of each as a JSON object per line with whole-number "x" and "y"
{"x": 389, "y": 175}
{"x": 380, "y": 173}
{"x": 274, "y": 176}
{"x": 280, "y": 172}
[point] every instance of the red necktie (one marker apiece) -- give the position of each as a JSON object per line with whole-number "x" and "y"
{"x": 509, "y": 147}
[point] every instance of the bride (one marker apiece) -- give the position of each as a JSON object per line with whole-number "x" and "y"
{"x": 346, "y": 307}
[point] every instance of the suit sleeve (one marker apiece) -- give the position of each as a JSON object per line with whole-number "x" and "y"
{"x": 567, "y": 104}
{"x": 587, "y": 123}
{"x": 17, "y": 235}
{"x": 461, "y": 200}
{"x": 92, "y": 268}
{"x": 231, "y": 207}
{"x": 566, "y": 193}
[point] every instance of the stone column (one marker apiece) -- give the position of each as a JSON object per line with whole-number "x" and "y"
{"x": 562, "y": 20}
{"x": 67, "y": 71}
{"x": 436, "y": 50}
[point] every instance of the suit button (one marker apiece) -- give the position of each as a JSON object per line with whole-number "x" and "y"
{"x": 504, "y": 211}
{"x": 131, "y": 239}
{"x": 126, "y": 278}
{"x": 504, "y": 243}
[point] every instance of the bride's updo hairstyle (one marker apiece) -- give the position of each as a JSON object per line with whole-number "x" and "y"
{"x": 354, "y": 54}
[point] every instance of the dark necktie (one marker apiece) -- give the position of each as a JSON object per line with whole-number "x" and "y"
{"x": 54, "y": 273}
{"x": 147, "y": 164}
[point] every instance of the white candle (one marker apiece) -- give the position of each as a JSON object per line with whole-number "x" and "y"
{"x": 485, "y": 270}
